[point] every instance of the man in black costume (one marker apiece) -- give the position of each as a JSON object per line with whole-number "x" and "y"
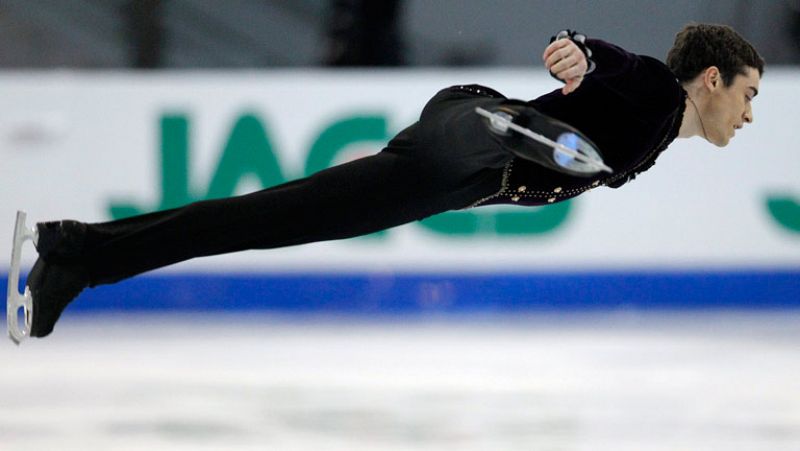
{"x": 630, "y": 106}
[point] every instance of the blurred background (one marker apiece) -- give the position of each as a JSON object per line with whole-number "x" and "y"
{"x": 178, "y": 34}
{"x": 664, "y": 315}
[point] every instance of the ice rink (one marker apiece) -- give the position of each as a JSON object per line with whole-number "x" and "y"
{"x": 613, "y": 381}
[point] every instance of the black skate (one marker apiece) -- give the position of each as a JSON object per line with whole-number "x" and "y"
{"x": 56, "y": 279}
{"x": 551, "y": 143}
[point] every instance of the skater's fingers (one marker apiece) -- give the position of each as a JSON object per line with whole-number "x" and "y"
{"x": 559, "y": 50}
{"x": 569, "y": 75}
{"x": 555, "y": 46}
{"x": 556, "y": 57}
{"x": 578, "y": 70}
{"x": 564, "y": 64}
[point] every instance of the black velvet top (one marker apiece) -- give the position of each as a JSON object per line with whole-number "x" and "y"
{"x": 631, "y": 106}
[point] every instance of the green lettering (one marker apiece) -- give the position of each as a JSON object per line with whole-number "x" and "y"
{"x": 785, "y": 210}
{"x": 533, "y": 221}
{"x": 247, "y": 152}
{"x": 458, "y": 223}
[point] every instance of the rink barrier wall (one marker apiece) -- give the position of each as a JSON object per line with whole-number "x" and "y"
{"x": 366, "y": 293}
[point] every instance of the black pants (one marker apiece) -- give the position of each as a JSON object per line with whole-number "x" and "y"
{"x": 445, "y": 161}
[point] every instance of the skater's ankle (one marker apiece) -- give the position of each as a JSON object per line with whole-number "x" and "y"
{"x": 61, "y": 240}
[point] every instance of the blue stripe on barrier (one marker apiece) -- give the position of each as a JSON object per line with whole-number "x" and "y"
{"x": 391, "y": 293}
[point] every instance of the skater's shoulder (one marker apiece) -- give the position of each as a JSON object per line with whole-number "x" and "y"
{"x": 612, "y": 59}
{"x": 639, "y": 79}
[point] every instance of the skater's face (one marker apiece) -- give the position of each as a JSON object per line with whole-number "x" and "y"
{"x": 728, "y": 108}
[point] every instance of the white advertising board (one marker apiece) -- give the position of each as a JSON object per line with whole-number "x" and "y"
{"x": 90, "y": 145}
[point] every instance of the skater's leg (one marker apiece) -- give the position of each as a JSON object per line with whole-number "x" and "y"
{"x": 418, "y": 175}
{"x": 401, "y": 184}
{"x": 354, "y": 199}
{"x": 445, "y": 162}
{"x": 357, "y": 198}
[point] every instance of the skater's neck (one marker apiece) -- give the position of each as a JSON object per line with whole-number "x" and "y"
{"x": 692, "y": 124}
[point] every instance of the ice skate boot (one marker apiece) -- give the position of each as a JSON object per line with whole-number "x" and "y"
{"x": 56, "y": 279}
{"x": 534, "y": 136}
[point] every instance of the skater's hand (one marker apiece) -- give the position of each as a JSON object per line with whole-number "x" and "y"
{"x": 567, "y": 62}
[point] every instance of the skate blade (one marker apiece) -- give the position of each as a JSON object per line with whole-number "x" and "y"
{"x": 16, "y": 300}
{"x": 562, "y": 154}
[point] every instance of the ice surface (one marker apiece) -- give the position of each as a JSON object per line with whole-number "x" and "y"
{"x": 621, "y": 381}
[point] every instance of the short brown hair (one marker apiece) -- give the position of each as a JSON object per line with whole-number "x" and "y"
{"x": 699, "y": 46}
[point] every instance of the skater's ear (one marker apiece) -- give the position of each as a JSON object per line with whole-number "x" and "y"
{"x": 711, "y": 77}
